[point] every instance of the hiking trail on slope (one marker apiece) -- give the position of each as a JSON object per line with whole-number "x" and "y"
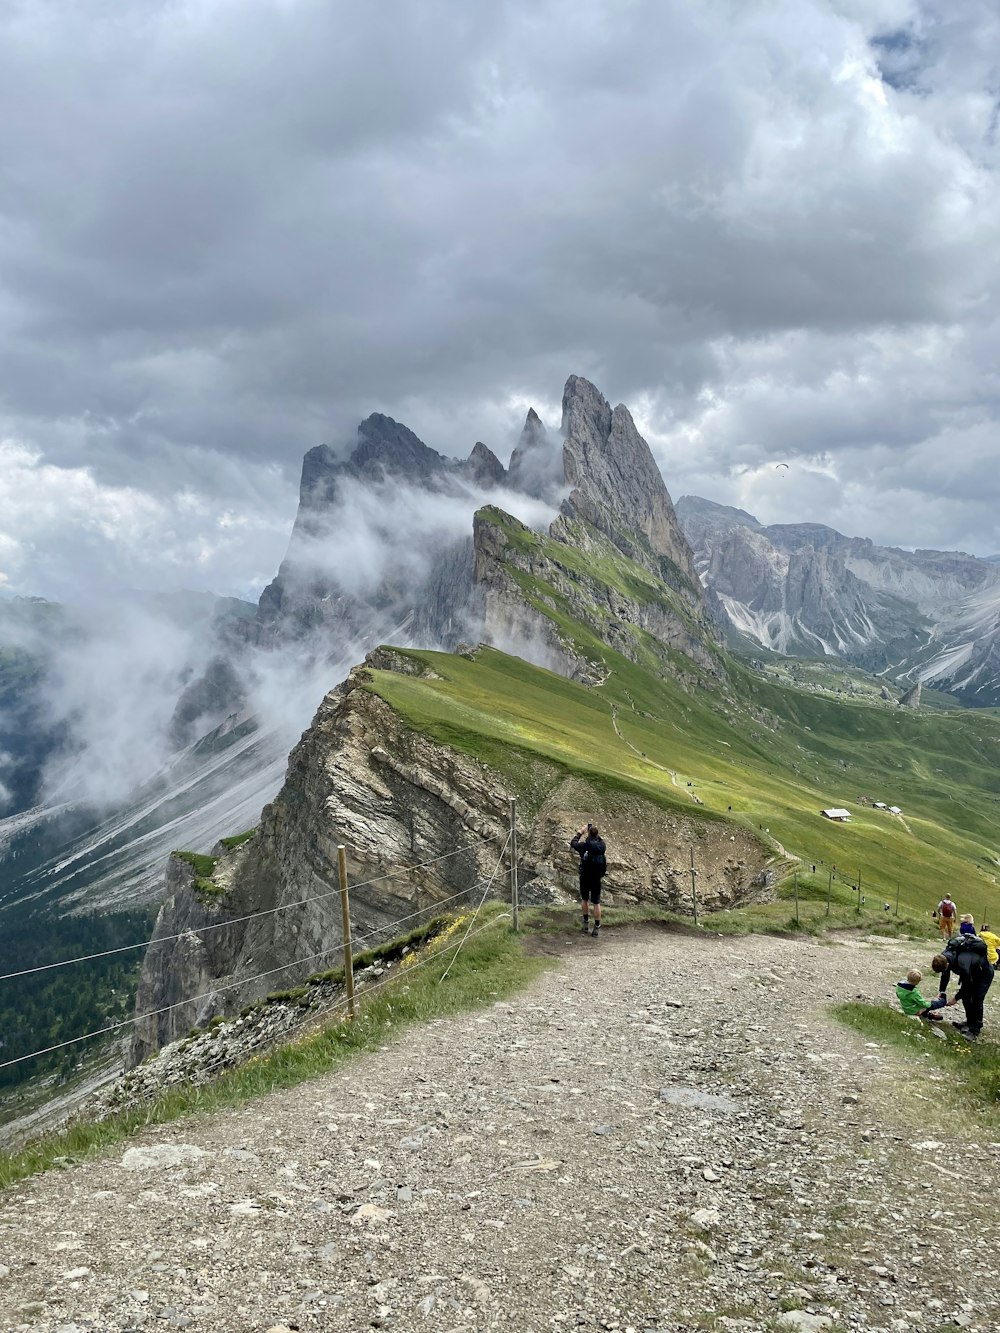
{"x": 664, "y": 1132}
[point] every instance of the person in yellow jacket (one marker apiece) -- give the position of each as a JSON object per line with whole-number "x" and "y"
{"x": 992, "y": 945}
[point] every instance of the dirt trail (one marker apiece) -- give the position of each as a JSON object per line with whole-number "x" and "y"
{"x": 661, "y": 1134}
{"x": 651, "y": 762}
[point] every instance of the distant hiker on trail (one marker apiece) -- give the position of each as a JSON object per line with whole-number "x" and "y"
{"x": 992, "y": 946}
{"x": 967, "y": 957}
{"x": 589, "y": 846}
{"x": 947, "y": 917}
{"x": 913, "y": 1004}
{"x": 968, "y": 924}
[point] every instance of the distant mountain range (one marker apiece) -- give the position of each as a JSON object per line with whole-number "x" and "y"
{"x": 134, "y": 729}
{"x": 804, "y": 589}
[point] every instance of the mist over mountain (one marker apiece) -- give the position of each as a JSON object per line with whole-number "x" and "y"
{"x": 169, "y": 718}
{"x": 806, "y": 589}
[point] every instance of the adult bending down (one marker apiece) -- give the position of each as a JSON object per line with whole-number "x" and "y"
{"x": 966, "y": 956}
{"x": 589, "y": 846}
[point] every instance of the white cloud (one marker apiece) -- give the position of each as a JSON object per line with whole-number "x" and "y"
{"x": 66, "y": 534}
{"x": 228, "y": 232}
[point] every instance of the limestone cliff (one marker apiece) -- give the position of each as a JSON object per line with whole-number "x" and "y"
{"x": 617, "y": 487}
{"x": 422, "y": 823}
{"x": 615, "y": 558}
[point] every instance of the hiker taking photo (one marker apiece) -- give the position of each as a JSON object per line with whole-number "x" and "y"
{"x": 589, "y": 846}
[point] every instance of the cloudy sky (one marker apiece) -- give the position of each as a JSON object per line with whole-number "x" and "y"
{"x": 229, "y": 229}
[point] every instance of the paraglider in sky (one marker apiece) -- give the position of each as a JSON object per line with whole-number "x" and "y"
{"x": 777, "y": 465}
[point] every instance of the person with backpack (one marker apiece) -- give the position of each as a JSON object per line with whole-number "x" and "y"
{"x": 947, "y": 916}
{"x": 590, "y": 847}
{"x": 967, "y": 957}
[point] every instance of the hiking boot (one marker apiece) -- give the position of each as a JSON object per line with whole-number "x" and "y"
{"x": 586, "y": 926}
{"x": 597, "y": 930}
{"x": 969, "y": 1036}
{"x": 959, "y": 1025}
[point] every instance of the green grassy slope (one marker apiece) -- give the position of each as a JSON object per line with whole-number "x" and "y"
{"x": 757, "y": 750}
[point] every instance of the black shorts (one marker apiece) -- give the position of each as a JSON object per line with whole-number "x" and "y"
{"x": 590, "y": 888}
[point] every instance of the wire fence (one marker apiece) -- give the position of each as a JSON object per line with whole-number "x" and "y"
{"x": 376, "y": 936}
{"x": 232, "y": 921}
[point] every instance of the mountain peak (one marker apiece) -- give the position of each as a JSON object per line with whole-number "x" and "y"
{"x": 483, "y": 467}
{"x": 689, "y": 506}
{"x": 617, "y": 486}
{"x": 535, "y": 465}
{"x": 387, "y": 444}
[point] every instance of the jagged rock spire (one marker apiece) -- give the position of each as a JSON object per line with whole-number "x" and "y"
{"x": 535, "y": 467}
{"x": 616, "y": 484}
{"x": 483, "y": 467}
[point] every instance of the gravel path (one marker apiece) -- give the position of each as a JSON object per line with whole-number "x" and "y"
{"x": 661, "y": 1134}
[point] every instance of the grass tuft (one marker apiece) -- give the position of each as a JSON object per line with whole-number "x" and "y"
{"x": 238, "y": 839}
{"x": 973, "y": 1069}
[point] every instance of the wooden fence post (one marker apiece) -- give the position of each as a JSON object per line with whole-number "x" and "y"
{"x": 345, "y": 917}
{"x": 515, "y": 905}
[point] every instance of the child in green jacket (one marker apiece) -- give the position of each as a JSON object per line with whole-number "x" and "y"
{"x": 913, "y": 1003}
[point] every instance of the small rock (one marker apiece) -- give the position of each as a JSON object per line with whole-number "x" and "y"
{"x": 480, "y": 1291}
{"x": 371, "y": 1212}
{"x": 706, "y": 1218}
{"x": 804, "y": 1322}
{"x": 162, "y": 1156}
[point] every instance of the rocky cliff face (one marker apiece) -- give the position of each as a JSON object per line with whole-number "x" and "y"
{"x": 425, "y": 827}
{"x": 524, "y": 578}
{"x": 804, "y": 588}
{"x": 617, "y": 506}
{"x": 617, "y": 487}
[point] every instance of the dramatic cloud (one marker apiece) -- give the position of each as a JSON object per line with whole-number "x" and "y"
{"x": 228, "y": 232}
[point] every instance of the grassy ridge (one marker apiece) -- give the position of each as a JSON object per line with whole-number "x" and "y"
{"x": 751, "y": 747}
{"x": 767, "y": 755}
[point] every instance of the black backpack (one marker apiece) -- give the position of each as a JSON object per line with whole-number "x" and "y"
{"x": 596, "y": 861}
{"x": 969, "y": 944}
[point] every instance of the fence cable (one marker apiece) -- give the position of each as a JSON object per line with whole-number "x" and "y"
{"x": 216, "y": 990}
{"x": 489, "y": 885}
{"x": 236, "y": 920}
